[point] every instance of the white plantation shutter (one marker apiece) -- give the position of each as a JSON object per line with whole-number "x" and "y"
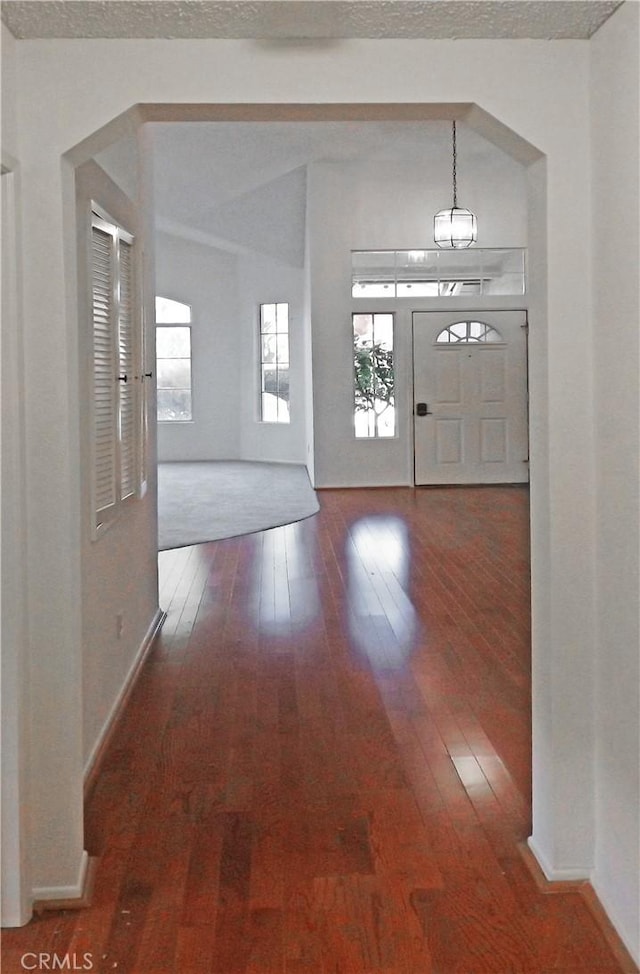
{"x": 143, "y": 420}
{"x": 116, "y": 373}
{"x": 127, "y": 382}
{"x": 104, "y": 369}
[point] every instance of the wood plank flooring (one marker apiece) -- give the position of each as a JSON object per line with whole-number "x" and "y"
{"x": 325, "y": 765}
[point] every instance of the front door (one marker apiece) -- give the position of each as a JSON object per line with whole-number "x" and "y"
{"x": 470, "y": 397}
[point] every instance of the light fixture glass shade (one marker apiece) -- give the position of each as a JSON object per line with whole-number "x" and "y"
{"x": 455, "y": 228}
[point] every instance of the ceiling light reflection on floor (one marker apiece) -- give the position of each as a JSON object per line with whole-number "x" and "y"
{"x": 285, "y": 596}
{"x": 382, "y": 619}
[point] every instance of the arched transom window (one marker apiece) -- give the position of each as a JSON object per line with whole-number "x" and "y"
{"x": 467, "y": 332}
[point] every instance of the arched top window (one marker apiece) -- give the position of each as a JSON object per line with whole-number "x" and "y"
{"x": 169, "y": 312}
{"x": 468, "y": 332}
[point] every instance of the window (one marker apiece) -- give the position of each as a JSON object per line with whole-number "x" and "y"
{"x": 374, "y": 414}
{"x": 117, "y": 380}
{"x": 436, "y": 273}
{"x": 468, "y": 332}
{"x": 274, "y": 363}
{"x": 173, "y": 361}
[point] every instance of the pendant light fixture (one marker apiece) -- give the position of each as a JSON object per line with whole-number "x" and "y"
{"x": 455, "y": 227}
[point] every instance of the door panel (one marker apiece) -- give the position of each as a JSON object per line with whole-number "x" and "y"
{"x": 493, "y": 440}
{"x": 493, "y": 377}
{"x": 475, "y": 428}
{"x": 448, "y": 441}
{"x": 449, "y": 378}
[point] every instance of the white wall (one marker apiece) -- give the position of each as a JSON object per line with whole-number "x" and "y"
{"x": 393, "y": 203}
{"x": 119, "y": 573}
{"x": 264, "y": 281}
{"x": 16, "y": 881}
{"x": 386, "y": 206}
{"x": 259, "y": 259}
{"x": 340, "y": 459}
{"x": 225, "y": 291}
{"x": 13, "y": 608}
{"x": 120, "y": 162}
{"x": 538, "y": 90}
{"x": 8, "y": 46}
{"x": 268, "y": 220}
{"x": 615, "y": 111}
{"x": 205, "y": 278}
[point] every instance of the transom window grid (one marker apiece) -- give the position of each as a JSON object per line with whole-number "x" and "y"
{"x": 173, "y": 361}
{"x": 467, "y": 333}
{"x": 437, "y": 273}
{"x": 374, "y": 379}
{"x": 274, "y": 363}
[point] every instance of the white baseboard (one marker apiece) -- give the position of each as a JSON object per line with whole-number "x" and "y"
{"x": 76, "y": 892}
{"x": 628, "y": 937}
{"x": 549, "y": 881}
{"x": 563, "y": 875}
{"x": 358, "y": 486}
{"x": 93, "y": 762}
{"x": 73, "y": 892}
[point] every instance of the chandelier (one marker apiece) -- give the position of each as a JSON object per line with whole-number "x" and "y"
{"x": 455, "y": 227}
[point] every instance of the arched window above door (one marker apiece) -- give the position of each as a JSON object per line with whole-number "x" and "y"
{"x": 468, "y": 332}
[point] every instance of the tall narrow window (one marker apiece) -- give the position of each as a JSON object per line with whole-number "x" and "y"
{"x": 173, "y": 361}
{"x": 374, "y": 383}
{"x": 116, "y": 325}
{"x": 274, "y": 363}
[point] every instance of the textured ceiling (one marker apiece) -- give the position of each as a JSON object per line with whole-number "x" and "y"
{"x": 305, "y": 19}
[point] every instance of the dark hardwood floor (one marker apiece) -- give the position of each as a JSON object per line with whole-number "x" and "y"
{"x": 325, "y": 765}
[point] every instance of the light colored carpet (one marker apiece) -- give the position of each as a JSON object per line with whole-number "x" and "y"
{"x": 206, "y": 501}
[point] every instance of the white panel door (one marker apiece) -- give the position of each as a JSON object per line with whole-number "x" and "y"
{"x": 470, "y": 397}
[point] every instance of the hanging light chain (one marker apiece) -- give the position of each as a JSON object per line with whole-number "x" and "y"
{"x": 455, "y": 227}
{"x": 454, "y": 172}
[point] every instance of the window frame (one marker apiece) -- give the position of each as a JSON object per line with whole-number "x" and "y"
{"x": 176, "y": 324}
{"x": 393, "y": 403}
{"x": 430, "y": 274}
{"x": 262, "y": 364}
{"x": 453, "y": 339}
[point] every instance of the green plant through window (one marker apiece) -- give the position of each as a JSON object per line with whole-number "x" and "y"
{"x": 374, "y": 381}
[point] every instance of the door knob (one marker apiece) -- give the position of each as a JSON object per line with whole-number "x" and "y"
{"x": 422, "y": 409}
